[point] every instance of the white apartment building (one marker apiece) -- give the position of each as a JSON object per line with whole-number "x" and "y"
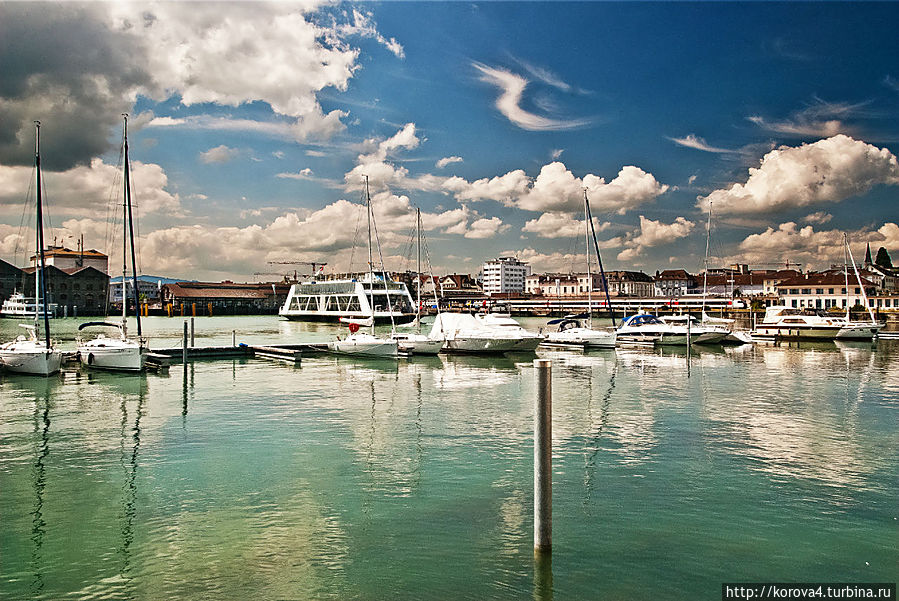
{"x": 504, "y": 275}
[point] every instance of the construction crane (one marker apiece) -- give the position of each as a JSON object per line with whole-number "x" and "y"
{"x": 784, "y": 264}
{"x": 314, "y": 264}
{"x": 286, "y": 276}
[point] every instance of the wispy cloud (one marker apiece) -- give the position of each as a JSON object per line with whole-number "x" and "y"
{"x": 447, "y": 161}
{"x": 512, "y": 87}
{"x": 695, "y": 142}
{"x": 820, "y": 119}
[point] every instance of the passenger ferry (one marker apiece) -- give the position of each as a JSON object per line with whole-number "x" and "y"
{"x": 19, "y": 306}
{"x": 329, "y": 300}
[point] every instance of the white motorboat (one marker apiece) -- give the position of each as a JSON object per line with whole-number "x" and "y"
{"x": 30, "y": 355}
{"x": 120, "y": 352}
{"x": 787, "y": 323}
{"x": 417, "y": 344}
{"x": 503, "y": 324}
{"x": 19, "y": 306}
{"x": 642, "y": 328}
{"x": 733, "y": 336}
{"x": 464, "y": 333}
{"x": 571, "y": 332}
{"x": 699, "y": 333}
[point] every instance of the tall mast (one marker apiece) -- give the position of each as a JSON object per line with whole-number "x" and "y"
{"x": 589, "y": 274}
{"x": 40, "y": 275}
{"x": 130, "y": 236}
{"x": 605, "y": 284}
{"x": 371, "y": 266}
{"x": 418, "y": 271}
{"x": 705, "y": 271}
{"x": 859, "y": 279}
{"x": 846, "y": 270}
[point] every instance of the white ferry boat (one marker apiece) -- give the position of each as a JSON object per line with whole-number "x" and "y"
{"x": 19, "y": 306}
{"x": 329, "y": 300}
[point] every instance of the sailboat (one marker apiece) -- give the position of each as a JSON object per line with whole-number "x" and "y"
{"x": 416, "y": 343}
{"x": 31, "y": 355}
{"x": 716, "y": 324}
{"x": 361, "y": 343}
{"x": 571, "y": 330}
{"x": 119, "y": 352}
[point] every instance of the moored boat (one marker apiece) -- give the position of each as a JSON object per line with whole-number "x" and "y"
{"x": 30, "y": 355}
{"x": 121, "y": 352}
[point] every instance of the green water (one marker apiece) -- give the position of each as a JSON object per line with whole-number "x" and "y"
{"x": 369, "y": 480}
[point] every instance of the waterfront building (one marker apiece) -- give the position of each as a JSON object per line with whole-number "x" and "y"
{"x": 732, "y": 284}
{"x": 630, "y": 283}
{"x": 771, "y": 279}
{"x": 217, "y": 298}
{"x": 674, "y": 283}
{"x": 64, "y": 258}
{"x": 10, "y": 280}
{"x": 824, "y": 290}
{"x": 75, "y": 290}
{"x": 504, "y": 275}
{"x": 149, "y": 288}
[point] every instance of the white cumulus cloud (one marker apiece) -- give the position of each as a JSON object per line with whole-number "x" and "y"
{"x": 827, "y": 171}
{"x": 219, "y": 154}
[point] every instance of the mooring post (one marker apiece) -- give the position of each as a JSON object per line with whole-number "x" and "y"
{"x": 543, "y": 439}
{"x": 184, "y": 344}
{"x": 689, "y": 341}
{"x": 191, "y": 332}
{"x": 233, "y": 337}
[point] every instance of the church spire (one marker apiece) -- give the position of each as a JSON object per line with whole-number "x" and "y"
{"x": 868, "y": 260}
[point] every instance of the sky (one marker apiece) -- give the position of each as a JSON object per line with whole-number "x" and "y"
{"x": 253, "y": 125}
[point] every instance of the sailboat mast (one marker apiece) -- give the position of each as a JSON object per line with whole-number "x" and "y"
{"x": 705, "y": 271}
{"x": 589, "y": 273}
{"x": 846, "y": 271}
{"x": 602, "y": 272}
{"x": 861, "y": 286}
{"x": 371, "y": 265}
{"x": 418, "y": 271}
{"x": 130, "y": 236}
{"x": 40, "y": 275}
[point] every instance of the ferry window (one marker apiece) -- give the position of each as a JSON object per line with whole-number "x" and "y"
{"x": 819, "y": 290}
{"x": 806, "y": 291}
{"x": 795, "y": 304}
{"x": 830, "y": 290}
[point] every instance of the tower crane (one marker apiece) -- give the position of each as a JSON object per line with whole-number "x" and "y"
{"x": 314, "y": 264}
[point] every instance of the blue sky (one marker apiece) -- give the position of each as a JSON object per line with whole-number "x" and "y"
{"x": 253, "y": 123}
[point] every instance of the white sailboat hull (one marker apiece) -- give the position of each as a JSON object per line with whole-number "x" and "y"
{"x": 26, "y": 357}
{"x": 365, "y": 345}
{"x": 418, "y": 344}
{"x": 586, "y": 337}
{"x": 112, "y": 354}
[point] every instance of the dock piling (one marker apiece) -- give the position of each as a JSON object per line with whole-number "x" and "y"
{"x": 233, "y": 337}
{"x": 191, "y": 332}
{"x": 543, "y": 484}
{"x": 184, "y": 344}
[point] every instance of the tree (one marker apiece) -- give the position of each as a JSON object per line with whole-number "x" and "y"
{"x": 883, "y": 258}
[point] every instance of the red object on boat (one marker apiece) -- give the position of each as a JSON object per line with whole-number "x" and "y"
{"x": 354, "y": 327}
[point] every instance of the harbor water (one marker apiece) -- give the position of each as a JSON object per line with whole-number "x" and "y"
{"x": 354, "y": 479}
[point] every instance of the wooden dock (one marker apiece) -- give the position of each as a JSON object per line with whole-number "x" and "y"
{"x": 290, "y": 353}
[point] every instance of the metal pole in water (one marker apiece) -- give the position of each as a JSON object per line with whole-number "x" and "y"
{"x": 689, "y": 341}
{"x": 543, "y": 436}
{"x": 233, "y": 337}
{"x": 191, "y": 332}
{"x": 184, "y": 344}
